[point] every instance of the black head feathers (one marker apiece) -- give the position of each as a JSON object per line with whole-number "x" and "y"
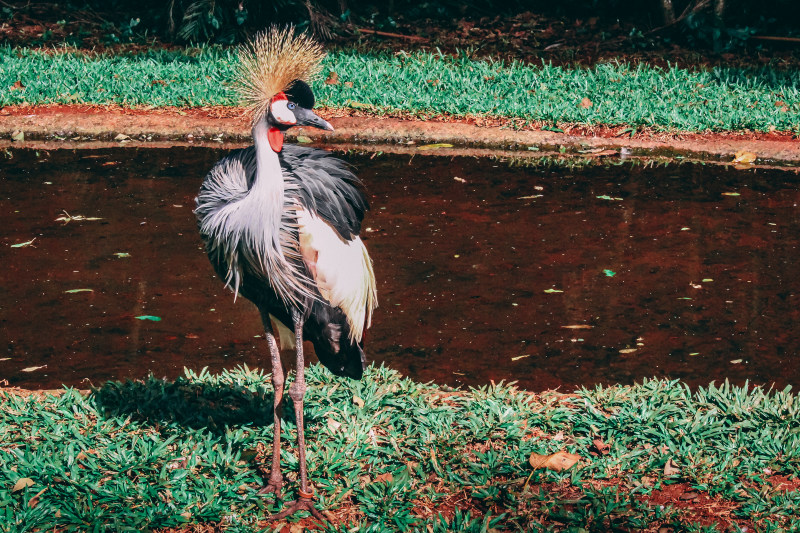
{"x": 301, "y": 94}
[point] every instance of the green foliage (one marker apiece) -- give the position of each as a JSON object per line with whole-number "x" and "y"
{"x": 424, "y": 84}
{"x": 175, "y": 453}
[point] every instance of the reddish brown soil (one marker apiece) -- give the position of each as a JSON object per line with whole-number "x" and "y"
{"x": 698, "y": 507}
{"x": 399, "y": 133}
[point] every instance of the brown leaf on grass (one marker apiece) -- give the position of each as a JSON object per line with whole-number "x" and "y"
{"x": 18, "y": 86}
{"x": 671, "y": 469}
{"x": 23, "y": 483}
{"x": 601, "y": 447}
{"x": 332, "y": 79}
{"x": 555, "y": 461}
{"x": 348, "y": 84}
{"x": 744, "y": 157}
{"x": 386, "y": 476}
{"x": 333, "y": 425}
{"x": 586, "y": 103}
{"x": 358, "y": 401}
{"x": 33, "y": 502}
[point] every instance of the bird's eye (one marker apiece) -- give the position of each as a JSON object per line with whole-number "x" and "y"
{"x": 290, "y": 105}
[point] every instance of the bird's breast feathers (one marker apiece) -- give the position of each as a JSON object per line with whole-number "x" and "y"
{"x": 341, "y": 269}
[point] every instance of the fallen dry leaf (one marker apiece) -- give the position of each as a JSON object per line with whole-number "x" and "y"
{"x": 33, "y": 502}
{"x": 358, "y": 401}
{"x": 603, "y": 153}
{"x": 744, "y": 157}
{"x": 333, "y": 425}
{"x": 671, "y": 469}
{"x": 22, "y": 483}
{"x": 555, "y": 461}
{"x": 332, "y": 79}
{"x": 387, "y": 477}
{"x": 601, "y": 447}
{"x": 586, "y": 103}
{"x": 434, "y": 146}
{"x": 18, "y": 86}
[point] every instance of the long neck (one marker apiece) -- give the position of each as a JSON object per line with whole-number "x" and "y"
{"x": 267, "y": 190}
{"x": 268, "y": 168}
{"x": 264, "y": 209}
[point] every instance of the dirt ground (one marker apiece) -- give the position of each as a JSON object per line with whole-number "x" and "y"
{"x": 80, "y": 123}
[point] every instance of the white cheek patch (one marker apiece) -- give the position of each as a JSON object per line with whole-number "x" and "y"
{"x": 282, "y": 113}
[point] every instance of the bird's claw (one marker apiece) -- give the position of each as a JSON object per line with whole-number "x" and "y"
{"x": 272, "y": 488}
{"x": 304, "y": 503}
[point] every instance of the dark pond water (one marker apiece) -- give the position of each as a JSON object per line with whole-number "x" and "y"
{"x": 549, "y": 277}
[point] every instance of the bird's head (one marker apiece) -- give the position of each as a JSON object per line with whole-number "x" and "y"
{"x": 292, "y": 108}
{"x": 273, "y": 72}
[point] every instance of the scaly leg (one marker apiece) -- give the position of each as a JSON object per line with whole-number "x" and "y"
{"x": 275, "y": 482}
{"x": 297, "y": 391}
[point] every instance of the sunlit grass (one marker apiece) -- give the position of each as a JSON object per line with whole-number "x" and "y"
{"x": 426, "y": 84}
{"x": 387, "y": 454}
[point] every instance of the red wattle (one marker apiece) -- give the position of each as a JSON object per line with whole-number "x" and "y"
{"x": 275, "y": 137}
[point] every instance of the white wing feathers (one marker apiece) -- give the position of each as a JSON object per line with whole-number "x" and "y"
{"x": 341, "y": 269}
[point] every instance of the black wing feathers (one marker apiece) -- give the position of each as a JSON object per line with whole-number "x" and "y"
{"x": 327, "y": 187}
{"x": 324, "y": 184}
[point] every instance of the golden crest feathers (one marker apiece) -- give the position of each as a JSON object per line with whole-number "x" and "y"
{"x": 271, "y": 62}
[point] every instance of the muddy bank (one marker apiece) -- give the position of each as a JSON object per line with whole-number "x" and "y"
{"x": 87, "y": 123}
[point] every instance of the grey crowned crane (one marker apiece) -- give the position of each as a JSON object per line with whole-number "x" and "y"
{"x": 281, "y": 227}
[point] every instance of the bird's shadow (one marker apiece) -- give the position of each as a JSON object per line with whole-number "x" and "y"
{"x": 190, "y": 404}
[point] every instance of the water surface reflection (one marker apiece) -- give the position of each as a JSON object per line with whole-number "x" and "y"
{"x": 486, "y": 271}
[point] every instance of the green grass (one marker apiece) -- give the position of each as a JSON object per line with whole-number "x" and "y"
{"x": 180, "y": 454}
{"x": 427, "y": 84}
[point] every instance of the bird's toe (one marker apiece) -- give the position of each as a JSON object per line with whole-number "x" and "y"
{"x": 272, "y": 488}
{"x": 301, "y": 504}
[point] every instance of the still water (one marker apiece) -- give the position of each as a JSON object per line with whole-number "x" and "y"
{"x": 486, "y": 271}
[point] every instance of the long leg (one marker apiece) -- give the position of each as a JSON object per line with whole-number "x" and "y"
{"x": 275, "y": 482}
{"x": 297, "y": 391}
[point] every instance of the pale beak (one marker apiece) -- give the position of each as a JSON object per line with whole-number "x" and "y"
{"x": 306, "y": 117}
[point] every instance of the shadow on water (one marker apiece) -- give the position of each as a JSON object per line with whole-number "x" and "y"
{"x": 486, "y": 271}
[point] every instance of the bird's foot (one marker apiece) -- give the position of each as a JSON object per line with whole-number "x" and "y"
{"x": 304, "y": 503}
{"x": 273, "y": 487}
